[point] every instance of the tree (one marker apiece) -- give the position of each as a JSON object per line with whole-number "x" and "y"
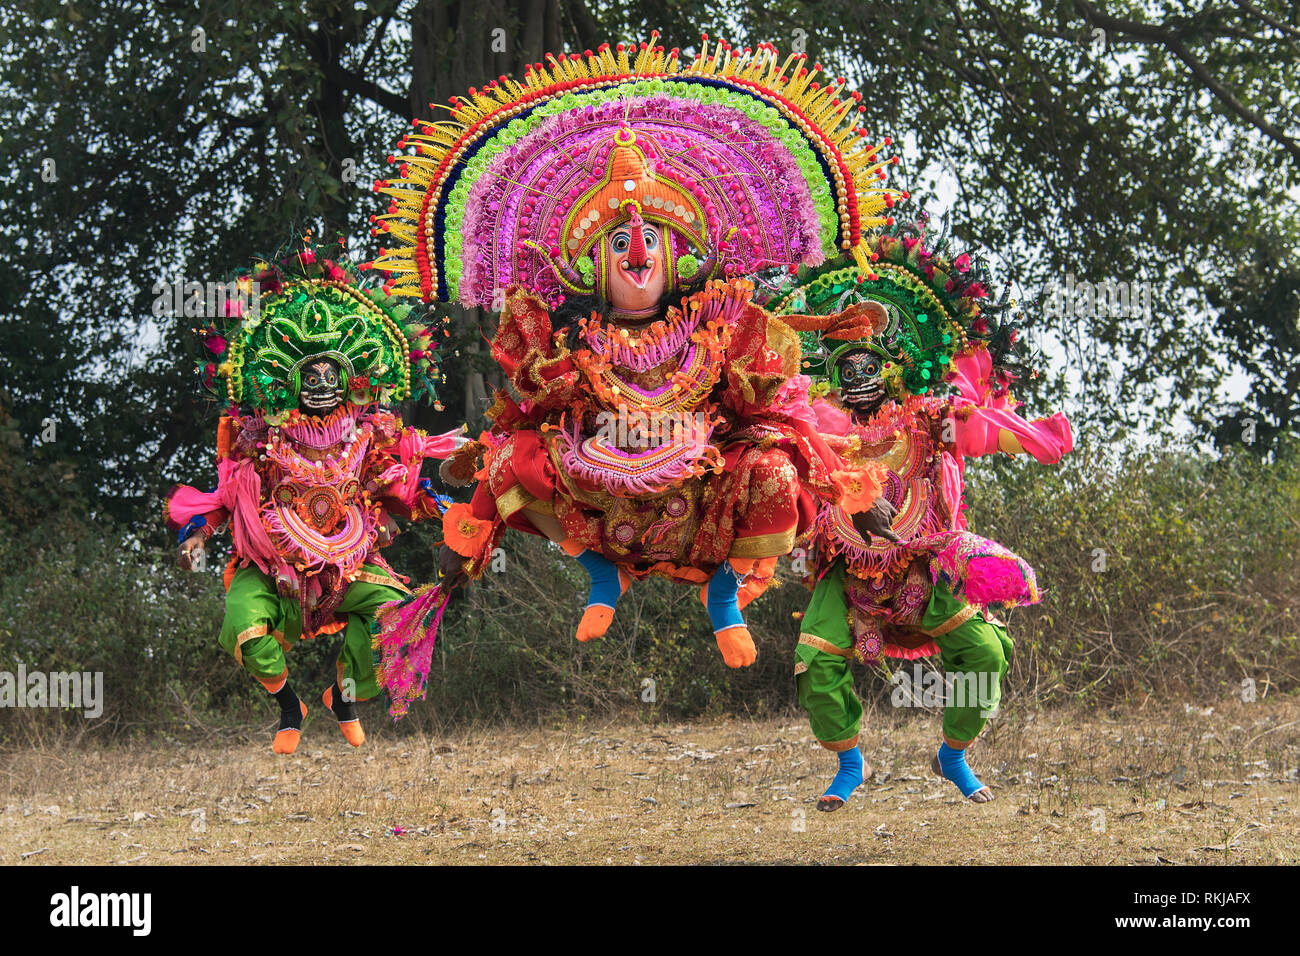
{"x": 1148, "y": 145}
{"x": 153, "y": 144}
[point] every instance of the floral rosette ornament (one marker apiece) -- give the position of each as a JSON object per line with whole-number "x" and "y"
{"x": 464, "y": 533}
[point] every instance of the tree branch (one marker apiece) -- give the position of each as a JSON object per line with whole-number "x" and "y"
{"x": 1276, "y": 24}
{"x": 1172, "y": 41}
{"x": 360, "y": 86}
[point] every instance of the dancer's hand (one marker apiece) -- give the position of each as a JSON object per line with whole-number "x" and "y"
{"x": 877, "y": 520}
{"x": 452, "y": 566}
{"x": 737, "y": 646}
{"x": 185, "y": 554}
{"x": 862, "y": 320}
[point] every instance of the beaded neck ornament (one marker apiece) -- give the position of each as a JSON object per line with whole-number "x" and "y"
{"x": 693, "y": 336}
{"x": 742, "y": 158}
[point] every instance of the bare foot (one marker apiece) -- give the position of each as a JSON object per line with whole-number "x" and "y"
{"x": 829, "y": 804}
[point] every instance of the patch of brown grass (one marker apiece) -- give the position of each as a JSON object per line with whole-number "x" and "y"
{"x": 1141, "y": 786}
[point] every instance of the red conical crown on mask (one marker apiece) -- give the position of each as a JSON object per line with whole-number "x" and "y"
{"x": 633, "y": 186}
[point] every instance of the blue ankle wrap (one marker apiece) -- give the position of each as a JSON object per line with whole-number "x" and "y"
{"x": 605, "y": 587}
{"x": 723, "y": 588}
{"x": 953, "y": 764}
{"x": 849, "y": 777}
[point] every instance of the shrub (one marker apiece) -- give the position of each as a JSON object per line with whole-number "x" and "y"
{"x": 1165, "y": 575}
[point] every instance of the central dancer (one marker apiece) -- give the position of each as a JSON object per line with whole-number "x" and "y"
{"x": 609, "y": 205}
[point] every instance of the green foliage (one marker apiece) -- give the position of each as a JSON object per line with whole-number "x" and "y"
{"x": 154, "y": 143}
{"x": 1165, "y": 574}
{"x": 1196, "y": 594}
{"x": 77, "y": 597}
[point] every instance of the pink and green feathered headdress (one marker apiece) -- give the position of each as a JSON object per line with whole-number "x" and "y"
{"x": 747, "y": 161}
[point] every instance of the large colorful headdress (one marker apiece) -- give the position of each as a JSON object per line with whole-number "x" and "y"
{"x": 306, "y": 307}
{"x": 745, "y": 159}
{"x": 938, "y": 307}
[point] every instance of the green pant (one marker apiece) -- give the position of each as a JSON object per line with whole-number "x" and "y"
{"x": 974, "y": 652}
{"x": 824, "y": 678}
{"x": 260, "y": 626}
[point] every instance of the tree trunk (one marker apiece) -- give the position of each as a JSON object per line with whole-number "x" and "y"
{"x": 456, "y": 45}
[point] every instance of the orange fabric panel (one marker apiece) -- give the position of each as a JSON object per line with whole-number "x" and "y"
{"x": 225, "y": 437}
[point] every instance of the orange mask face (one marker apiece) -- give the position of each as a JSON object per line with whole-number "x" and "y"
{"x": 636, "y": 276}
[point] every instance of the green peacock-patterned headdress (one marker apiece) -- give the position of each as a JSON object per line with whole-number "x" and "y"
{"x": 938, "y": 307}
{"x": 306, "y": 307}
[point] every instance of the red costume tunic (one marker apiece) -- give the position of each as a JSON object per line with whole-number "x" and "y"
{"x": 736, "y": 472}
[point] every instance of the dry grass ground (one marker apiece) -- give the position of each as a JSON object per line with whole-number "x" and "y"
{"x": 1148, "y": 786}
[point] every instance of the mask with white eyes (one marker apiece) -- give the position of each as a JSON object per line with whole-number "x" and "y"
{"x": 861, "y": 384}
{"x": 321, "y": 388}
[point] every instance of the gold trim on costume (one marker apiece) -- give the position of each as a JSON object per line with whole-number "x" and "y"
{"x": 763, "y": 545}
{"x": 898, "y": 457}
{"x": 513, "y": 500}
{"x": 825, "y": 646}
{"x": 839, "y": 746}
{"x": 954, "y": 622}
{"x": 800, "y": 667}
{"x": 785, "y": 342}
{"x": 244, "y": 636}
{"x": 371, "y": 577}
